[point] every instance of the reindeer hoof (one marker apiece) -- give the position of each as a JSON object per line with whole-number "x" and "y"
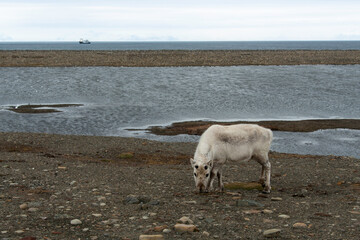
{"x": 266, "y": 190}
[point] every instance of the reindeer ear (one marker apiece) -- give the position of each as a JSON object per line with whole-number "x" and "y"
{"x": 192, "y": 161}
{"x": 210, "y": 163}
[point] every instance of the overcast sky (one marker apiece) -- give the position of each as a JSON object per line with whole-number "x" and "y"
{"x": 182, "y": 20}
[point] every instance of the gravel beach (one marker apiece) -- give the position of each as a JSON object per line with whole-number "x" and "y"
{"x": 88, "y": 187}
{"x": 165, "y": 58}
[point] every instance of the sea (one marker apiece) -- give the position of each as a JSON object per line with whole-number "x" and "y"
{"x": 178, "y": 45}
{"x": 116, "y": 99}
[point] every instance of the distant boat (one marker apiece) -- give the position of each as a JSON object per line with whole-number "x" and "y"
{"x": 84, "y": 41}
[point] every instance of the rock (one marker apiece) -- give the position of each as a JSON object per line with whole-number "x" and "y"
{"x": 24, "y": 206}
{"x": 19, "y": 231}
{"x": 96, "y": 214}
{"x": 167, "y": 231}
{"x": 252, "y": 211}
{"x": 299, "y": 225}
{"x": 160, "y": 228}
{"x": 206, "y": 234}
{"x": 33, "y": 209}
{"x": 185, "y": 227}
{"x": 131, "y": 199}
{"x": 151, "y": 237}
{"x": 284, "y": 216}
{"x": 276, "y": 199}
{"x": 267, "y": 211}
{"x": 275, "y": 232}
{"x": 248, "y": 203}
{"x": 185, "y": 220}
{"x": 101, "y": 199}
{"x": 75, "y": 222}
{"x": 72, "y": 183}
{"x": 154, "y": 202}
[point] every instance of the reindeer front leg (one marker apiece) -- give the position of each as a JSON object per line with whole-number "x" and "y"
{"x": 221, "y": 184}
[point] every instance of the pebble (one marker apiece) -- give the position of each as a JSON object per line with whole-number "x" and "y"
{"x": 185, "y": 220}
{"x": 205, "y": 233}
{"x": 248, "y": 203}
{"x": 96, "y": 214}
{"x": 276, "y": 199}
{"x": 33, "y": 209}
{"x": 299, "y": 225}
{"x": 166, "y": 230}
{"x": 252, "y": 211}
{"x": 75, "y": 222}
{"x": 24, "y": 206}
{"x": 267, "y": 211}
{"x": 19, "y": 231}
{"x": 185, "y": 227}
{"x": 284, "y": 216}
{"x": 151, "y": 237}
{"x": 275, "y": 232}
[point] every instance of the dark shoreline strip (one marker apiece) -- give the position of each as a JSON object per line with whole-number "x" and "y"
{"x": 168, "y": 58}
{"x": 198, "y": 127}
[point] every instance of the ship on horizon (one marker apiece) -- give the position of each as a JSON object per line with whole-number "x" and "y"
{"x": 84, "y": 41}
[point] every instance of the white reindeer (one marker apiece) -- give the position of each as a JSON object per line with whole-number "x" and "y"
{"x": 240, "y": 142}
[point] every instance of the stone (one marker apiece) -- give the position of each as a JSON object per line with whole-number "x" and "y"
{"x": 267, "y": 211}
{"x": 160, "y": 228}
{"x": 206, "y": 234}
{"x": 185, "y": 220}
{"x": 252, "y": 211}
{"x": 248, "y": 203}
{"x": 284, "y": 216}
{"x": 151, "y": 237}
{"x": 33, "y": 209}
{"x": 185, "y": 227}
{"x": 75, "y": 222}
{"x": 19, "y": 231}
{"x": 96, "y": 214}
{"x": 166, "y": 230}
{"x": 24, "y": 206}
{"x": 276, "y": 199}
{"x": 275, "y": 232}
{"x": 299, "y": 225}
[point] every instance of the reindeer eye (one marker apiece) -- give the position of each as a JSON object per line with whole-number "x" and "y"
{"x": 196, "y": 166}
{"x": 207, "y": 175}
{"x": 195, "y": 174}
{"x": 206, "y": 167}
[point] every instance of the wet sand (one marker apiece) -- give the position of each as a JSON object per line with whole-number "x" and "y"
{"x": 167, "y": 58}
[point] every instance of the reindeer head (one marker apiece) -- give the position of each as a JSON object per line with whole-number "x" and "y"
{"x": 202, "y": 172}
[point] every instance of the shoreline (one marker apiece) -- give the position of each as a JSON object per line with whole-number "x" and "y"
{"x": 172, "y": 58}
{"x": 306, "y": 125}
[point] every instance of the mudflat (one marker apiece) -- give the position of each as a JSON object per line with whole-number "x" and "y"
{"x": 167, "y": 58}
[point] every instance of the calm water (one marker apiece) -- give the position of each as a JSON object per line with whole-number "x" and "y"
{"x": 243, "y": 45}
{"x": 116, "y": 98}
